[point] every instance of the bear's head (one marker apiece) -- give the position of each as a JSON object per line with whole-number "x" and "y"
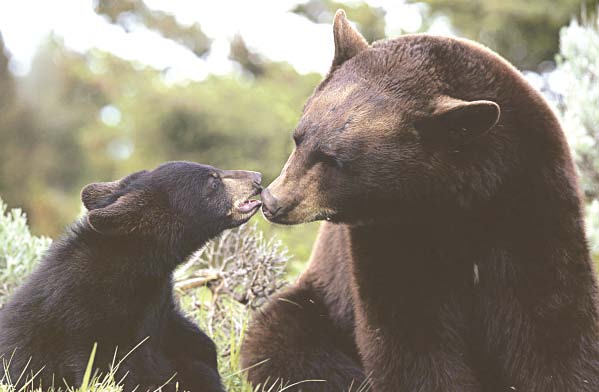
{"x": 401, "y": 122}
{"x": 178, "y": 203}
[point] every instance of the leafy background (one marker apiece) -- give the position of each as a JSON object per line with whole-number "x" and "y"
{"x": 82, "y": 116}
{"x": 78, "y": 117}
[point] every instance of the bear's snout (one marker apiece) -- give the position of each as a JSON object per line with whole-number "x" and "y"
{"x": 270, "y": 204}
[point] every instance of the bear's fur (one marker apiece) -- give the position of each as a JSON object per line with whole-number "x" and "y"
{"x": 455, "y": 259}
{"x": 109, "y": 280}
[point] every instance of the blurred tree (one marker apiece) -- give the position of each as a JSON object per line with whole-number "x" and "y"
{"x": 132, "y": 14}
{"x": 248, "y": 60}
{"x": 6, "y": 79}
{"x": 370, "y": 20}
{"x": 15, "y": 128}
{"x": 39, "y": 132}
{"x": 98, "y": 117}
{"x": 526, "y": 33}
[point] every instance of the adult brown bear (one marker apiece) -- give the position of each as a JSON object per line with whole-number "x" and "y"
{"x": 455, "y": 259}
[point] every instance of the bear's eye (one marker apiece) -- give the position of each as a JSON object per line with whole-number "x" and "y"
{"x": 330, "y": 159}
{"x": 297, "y": 139}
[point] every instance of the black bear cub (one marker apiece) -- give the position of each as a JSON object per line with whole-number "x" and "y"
{"x": 109, "y": 280}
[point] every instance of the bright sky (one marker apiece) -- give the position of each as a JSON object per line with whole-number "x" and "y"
{"x": 267, "y": 26}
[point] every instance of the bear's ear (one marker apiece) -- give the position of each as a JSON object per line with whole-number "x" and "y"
{"x": 97, "y": 194}
{"x": 121, "y": 217}
{"x": 348, "y": 41}
{"x": 455, "y": 123}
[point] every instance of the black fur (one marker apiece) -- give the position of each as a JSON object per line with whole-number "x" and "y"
{"x": 116, "y": 289}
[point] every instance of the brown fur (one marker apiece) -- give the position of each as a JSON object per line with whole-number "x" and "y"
{"x": 456, "y": 257}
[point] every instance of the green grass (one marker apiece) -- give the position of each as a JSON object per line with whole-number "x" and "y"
{"x": 228, "y": 343}
{"x": 227, "y": 334}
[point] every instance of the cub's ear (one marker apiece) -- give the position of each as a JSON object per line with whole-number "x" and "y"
{"x": 455, "y": 123}
{"x": 98, "y": 194}
{"x": 348, "y": 41}
{"x": 121, "y": 217}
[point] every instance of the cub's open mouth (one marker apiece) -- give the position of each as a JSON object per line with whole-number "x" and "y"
{"x": 249, "y": 206}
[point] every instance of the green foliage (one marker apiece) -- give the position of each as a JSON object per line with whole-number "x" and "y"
{"x": 579, "y": 68}
{"x": 91, "y": 117}
{"x": 526, "y": 33}
{"x": 83, "y": 117}
{"x": 19, "y": 249}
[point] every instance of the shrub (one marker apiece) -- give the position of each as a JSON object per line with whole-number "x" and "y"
{"x": 579, "y": 70}
{"x": 19, "y": 249}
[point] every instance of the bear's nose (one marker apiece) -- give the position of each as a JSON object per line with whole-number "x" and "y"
{"x": 270, "y": 205}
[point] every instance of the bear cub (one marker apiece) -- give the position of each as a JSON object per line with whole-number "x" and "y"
{"x": 109, "y": 280}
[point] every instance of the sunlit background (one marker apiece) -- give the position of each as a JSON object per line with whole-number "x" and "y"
{"x": 93, "y": 90}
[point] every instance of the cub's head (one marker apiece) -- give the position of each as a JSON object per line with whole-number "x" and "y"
{"x": 178, "y": 202}
{"x": 400, "y": 122}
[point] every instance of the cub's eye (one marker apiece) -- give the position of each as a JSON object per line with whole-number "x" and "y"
{"x": 214, "y": 181}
